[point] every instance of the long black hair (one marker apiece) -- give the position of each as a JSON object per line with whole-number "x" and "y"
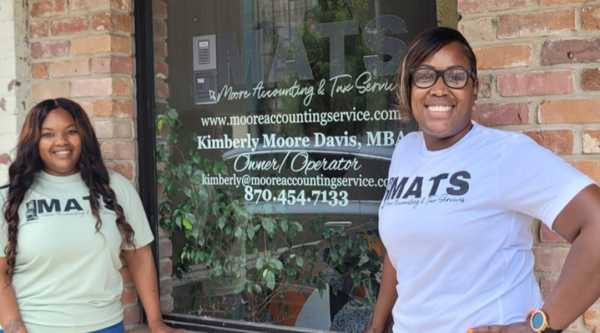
{"x": 28, "y": 164}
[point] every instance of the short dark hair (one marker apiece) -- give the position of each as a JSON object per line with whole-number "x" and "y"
{"x": 424, "y": 45}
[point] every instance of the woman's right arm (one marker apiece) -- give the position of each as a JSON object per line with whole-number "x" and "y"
{"x": 10, "y": 318}
{"x": 386, "y": 299}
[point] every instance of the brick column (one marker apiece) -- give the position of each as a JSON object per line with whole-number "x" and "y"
{"x": 83, "y": 50}
{"x": 161, "y": 73}
{"x": 539, "y": 75}
{"x": 14, "y": 80}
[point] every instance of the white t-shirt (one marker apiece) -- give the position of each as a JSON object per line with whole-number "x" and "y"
{"x": 67, "y": 276}
{"x": 456, "y": 224}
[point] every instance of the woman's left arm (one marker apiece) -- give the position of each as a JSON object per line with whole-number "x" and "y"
{"x": 141, "y": 265}
{"x": 578, "y": 286}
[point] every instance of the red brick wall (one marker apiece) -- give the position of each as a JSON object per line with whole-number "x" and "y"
{"x": 161, "y": 73}
{"x": 82, "y": 49}
{"x": 538, "y": 62}
{"x": 14, "y": 78}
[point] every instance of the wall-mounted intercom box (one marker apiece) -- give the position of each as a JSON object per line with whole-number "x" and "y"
{"x": 205, "y": 68}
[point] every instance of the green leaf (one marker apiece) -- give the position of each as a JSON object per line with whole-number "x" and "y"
{"x": 269, "y": 224}
{"x": 221, "y": 222}
{"x": 160, "y": 125}
{"x": 250, "y": 232}
{"x": 321, "y": 286}
{"x": 260, "y": 262}
{"x": 187, "y": 224}
{"x": 172, "y": 113}
{"x": 239, "y": 288}
{"x": 215, "y": 210}
{"x": 188, "y": 168}
{"x": 298, "y": 226}
{"x": 172, "y": 138}
{"x": 270, "y": 280}
{"x": 190, "y": 217}
{"x": 276, "y": 264}
{"x": 218, "y": 269}
{"x": 283, "y": 224}
{"x": 195, "y": 157}
{"x": 299, "y": 261}
{"x": 292, "y": 233}
{"x": 333, "y": 255}
{"x": 238, "y": 232}
{"x": 224, "y": 169}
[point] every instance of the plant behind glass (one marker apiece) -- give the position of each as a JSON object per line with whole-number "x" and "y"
{"x": 262, "y": 255}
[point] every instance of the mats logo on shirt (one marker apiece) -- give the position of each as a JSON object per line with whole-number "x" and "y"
{"x": 415, "y": 191}
{"x": 32, "y": 214}
{"x": 52, "y": 207}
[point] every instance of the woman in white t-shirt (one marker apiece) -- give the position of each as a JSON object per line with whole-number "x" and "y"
{"x": 457, "y": 214}
{"x": 65, "y": 223}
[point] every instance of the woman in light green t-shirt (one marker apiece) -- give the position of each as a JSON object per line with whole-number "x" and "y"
{"x": 66, "y": 221}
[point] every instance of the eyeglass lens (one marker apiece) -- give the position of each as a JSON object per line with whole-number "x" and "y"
{"x": 453, "y": 78}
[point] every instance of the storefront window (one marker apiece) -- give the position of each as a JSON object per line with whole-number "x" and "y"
{"x": 278, "y": 130}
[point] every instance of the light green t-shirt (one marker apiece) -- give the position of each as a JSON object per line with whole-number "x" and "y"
{"x": 67, "y": 276}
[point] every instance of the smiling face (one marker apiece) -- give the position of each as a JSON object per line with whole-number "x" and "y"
{"x": 443, "y": 113}
{"x": 60, "y": 144}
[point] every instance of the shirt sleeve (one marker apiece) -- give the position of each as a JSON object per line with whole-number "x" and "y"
{"x": 534, "y": 181}
{"x": 129, "y": 199}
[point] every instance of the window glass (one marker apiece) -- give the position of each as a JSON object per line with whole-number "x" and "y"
{"x": 278, "y": 125}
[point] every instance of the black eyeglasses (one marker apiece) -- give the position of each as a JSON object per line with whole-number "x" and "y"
{"x": 455, "y": 78}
